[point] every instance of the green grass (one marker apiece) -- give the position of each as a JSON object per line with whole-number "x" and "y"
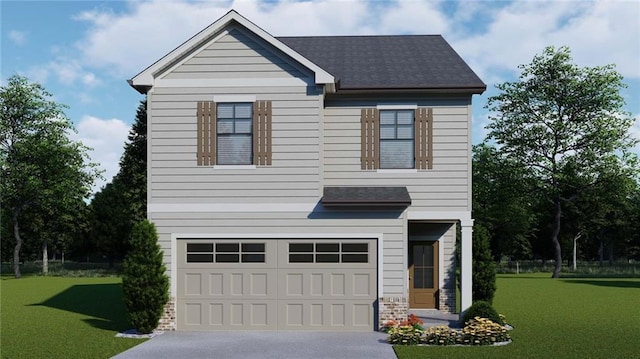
{"x": 558, "y": 318}
{"x": 56, "y": 317}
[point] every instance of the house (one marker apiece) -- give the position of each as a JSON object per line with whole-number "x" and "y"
{"x": 309, "y": 183}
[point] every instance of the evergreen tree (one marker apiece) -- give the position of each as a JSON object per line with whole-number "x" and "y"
{"x": 484, "y": 270}
{"x": 133, "y": 167}
{"x": 144, "y": 283}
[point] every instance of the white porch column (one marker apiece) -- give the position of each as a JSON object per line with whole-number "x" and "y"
{"x": 466, "y": 259}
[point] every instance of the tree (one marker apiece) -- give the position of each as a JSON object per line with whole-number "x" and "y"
{"x": 133, "y": 166}
{"x": 144, "y": 283}
{"x": 484, "y": 270}
{"x": 111, "y": 226}
{"x": 42, "y": 170}
{"x": 558, "y": 115}
{"x": 502, "y": 202}
{"x": 123, "y": 202}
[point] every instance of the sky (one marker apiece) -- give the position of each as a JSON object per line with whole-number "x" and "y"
{"x": 84, "y": 51}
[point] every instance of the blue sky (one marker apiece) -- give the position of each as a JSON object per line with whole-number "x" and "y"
{"x": 84, "y": 51}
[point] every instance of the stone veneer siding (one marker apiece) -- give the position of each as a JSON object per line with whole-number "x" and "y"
{"x": 392, "y": 308}
{"x": 168, "y": 320}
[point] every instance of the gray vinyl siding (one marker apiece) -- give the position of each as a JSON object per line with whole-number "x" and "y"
{"x": 295, "y": 134}
{"x": 235, "y": 55}
{"x": 446, "y": 187}
{"x": 448, "y": 247}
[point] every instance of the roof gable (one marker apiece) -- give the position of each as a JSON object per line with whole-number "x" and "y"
{"x": 145, "y": 79}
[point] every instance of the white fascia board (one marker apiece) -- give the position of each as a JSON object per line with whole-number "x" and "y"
{"x": 146, "y": 77}
{"x": 228, "y": 207}
{"x": 462, "y": 216}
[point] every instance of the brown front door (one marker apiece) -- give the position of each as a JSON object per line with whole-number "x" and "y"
{"x": 423, "y": 275}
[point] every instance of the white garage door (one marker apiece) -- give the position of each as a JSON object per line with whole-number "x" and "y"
{"x": 276, "y": 284}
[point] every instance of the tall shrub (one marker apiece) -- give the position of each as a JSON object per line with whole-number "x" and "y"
{"x": 484, "y": 270}
{"x": 144, "y": 283}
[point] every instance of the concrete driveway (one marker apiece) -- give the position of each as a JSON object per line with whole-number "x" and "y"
{"x": 249, "y": 345}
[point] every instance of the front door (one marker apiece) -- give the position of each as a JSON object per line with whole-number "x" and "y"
{"x": 423, "y": 275}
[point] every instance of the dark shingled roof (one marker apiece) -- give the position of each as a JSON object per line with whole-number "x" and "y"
{"x": 366, "y": 196}
{"x": 389, "y": 62}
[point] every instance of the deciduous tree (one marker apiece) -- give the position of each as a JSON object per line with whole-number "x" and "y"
{"x": 557, "y": 115}
{"x": 42, "y": 170}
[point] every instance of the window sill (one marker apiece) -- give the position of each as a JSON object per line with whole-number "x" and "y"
{"x": 234, "y": 167}
{"x": 397, "y": 170}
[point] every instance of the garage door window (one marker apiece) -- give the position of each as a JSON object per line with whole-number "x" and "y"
{"x": 324, "y": 252}
{"x": 225, "y": 253}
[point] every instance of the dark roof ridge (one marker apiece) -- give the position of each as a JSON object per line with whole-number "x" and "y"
{"x": 354, "y": 36}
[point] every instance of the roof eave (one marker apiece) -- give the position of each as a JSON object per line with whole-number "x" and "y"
{"x": 473, "y": 90}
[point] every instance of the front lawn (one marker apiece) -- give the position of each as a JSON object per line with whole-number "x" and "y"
{"x": 55, "y": 317}
{"x": 558, "y": 318}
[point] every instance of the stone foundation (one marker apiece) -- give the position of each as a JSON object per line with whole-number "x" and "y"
{"x": 168, "y": 320}
{"x": 392, "y": 308}
{"x": 447, "y": 301}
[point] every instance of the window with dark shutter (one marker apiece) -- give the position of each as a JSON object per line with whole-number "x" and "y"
{"x": 234, "y": 133}
{"x": 396, "y": 139}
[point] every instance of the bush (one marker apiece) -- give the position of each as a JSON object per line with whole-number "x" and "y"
{"x": 482, "y": 331}
{"x": 442, "y": 335}
{"x": 144, "y": 283}
{"x": 405, "y": 335}
{"x": 482, "y": 309}
{"x": 484, "y": 269}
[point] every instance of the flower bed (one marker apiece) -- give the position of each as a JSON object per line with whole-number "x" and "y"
{"x": 478, "y": 331}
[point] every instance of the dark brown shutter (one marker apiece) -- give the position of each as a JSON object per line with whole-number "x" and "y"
{"x": 424, "y": 138}
{"x": 206, "y": 152}
{"x": 370, "y": 139}
{"x": 262, "y": 133}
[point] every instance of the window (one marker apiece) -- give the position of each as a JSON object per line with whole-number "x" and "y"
{"x": 234, "y": 133}
{"x": 225, "y": 252}
{"x": 396, "y": 139}
{"x": 328, "y": 252}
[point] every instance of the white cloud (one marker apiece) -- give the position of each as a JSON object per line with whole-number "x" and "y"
{"x": 598, "y": 33}
{"x": 66, "y": 70}
{"x": 18, "y": 37}
{"x": 107, "y": 138}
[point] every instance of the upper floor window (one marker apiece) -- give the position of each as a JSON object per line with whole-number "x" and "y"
{"x": 234, "y": 134}
{"x": 397, "y": 139}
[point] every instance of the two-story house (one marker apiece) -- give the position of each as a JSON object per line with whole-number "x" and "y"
{"x": 309, "y": 183}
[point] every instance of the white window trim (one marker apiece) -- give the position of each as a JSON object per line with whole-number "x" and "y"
{"x": 398, "y": 107}
{"x": 233, "y": 98}
{"x": 234, "y": 167}
{"x": 397, "y": 170}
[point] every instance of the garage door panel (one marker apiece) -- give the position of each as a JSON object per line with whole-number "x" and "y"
{"x": 228, "y": 284}
{"x": 336, "y": 284}
{"x": 227, "y": 315}
{"x": 325, "y": 315}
